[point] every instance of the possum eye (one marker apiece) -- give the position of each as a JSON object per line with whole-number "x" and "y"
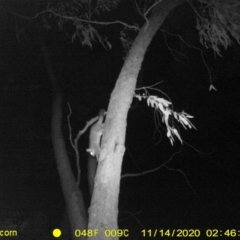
{"x": 91, "y": 152}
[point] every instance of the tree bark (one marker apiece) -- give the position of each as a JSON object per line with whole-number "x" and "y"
{"x": 92, "y": 167}
{"x": 73, "y": 197}
{"x": 103, "y": 213}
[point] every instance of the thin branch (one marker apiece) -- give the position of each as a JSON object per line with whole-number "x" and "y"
{"x": 157, "y": 168}
{"x": 133, "y": 215}
{"x": 155, "y": 84}
{"x": 95, "y": 22}
{"x": 150, "y": 8}
{"x": 75, "y": 142}
{"x": 138, "y": 8}
{"x": 151, "y": 170}
{"x": 190, "y": 46}
{"x": 171, "y": 50}
{"x": 69, "y": 125}
{"x": 76, "y": 145}
{"x": 73, "y": 19}
{"x": 184, "y": 175}
{"x": 22, "y": 16}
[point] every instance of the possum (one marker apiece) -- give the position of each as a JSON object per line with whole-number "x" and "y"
{"x": 95, "y": 135}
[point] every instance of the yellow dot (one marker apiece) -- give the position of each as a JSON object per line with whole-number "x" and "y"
{"x": 57, "y": 232}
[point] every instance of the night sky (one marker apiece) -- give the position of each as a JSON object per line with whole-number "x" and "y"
{"x": 197, "y": 189}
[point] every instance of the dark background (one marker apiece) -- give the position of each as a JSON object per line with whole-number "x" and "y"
{"x": 198, "y": 188}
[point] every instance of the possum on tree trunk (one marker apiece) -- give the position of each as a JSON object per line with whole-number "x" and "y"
{"x": 95, "y": 136}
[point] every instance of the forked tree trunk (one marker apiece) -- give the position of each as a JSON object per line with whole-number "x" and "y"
{"x": 104, "y": 205}
{"x": 73, "y": 197}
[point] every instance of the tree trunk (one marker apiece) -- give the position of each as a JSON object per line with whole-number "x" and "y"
{"x": 73, "y": 197}
{"x": 103, "y": 213}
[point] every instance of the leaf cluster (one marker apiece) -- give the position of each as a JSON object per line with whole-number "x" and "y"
{"x": 218, "y": 22}
{"x": 163, "y": 107}
{"x": 82, "y": 13}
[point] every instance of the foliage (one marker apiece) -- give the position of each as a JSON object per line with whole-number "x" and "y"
{"x": 83, "y": 14}
{"x": 162, "y": 106}
{"x": 218, "y": 21}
